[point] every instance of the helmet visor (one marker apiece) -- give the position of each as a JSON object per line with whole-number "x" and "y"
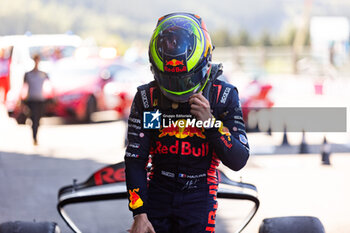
{"x": 175, "y": 41}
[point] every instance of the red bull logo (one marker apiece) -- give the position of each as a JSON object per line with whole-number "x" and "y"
{"x": 225, "y": 131}
{"x": 180, "y": 130}
{"x": 175, "y": 66}
{"x": 174, "y": 63}
{"x": 135, "y": 200}
{"x": 184, "y": 148}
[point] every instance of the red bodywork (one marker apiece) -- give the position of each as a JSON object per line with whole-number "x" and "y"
{"x": 76, "y": 107}
{"x": 82, "y": 96}
{"x": 77, "y": 89}
{"x": 257, "y": 99}
{"x": 73, "y": 100}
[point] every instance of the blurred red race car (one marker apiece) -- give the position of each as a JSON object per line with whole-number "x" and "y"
{"x": 83, "y": 87}
{"x": 78, "y": 86}
{"x": 254, "y": 98}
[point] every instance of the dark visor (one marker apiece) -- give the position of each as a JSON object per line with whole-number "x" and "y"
{"x": 181, "y": 84}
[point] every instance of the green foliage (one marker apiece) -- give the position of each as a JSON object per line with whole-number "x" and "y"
{"x": 265, "y": 39}
{"x": 85, "y": 18}
{"x": 243, "y": 38}
{"x": 119, "y": 22}
{"x": 221, "y": 38}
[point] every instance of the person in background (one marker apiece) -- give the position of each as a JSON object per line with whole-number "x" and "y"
{"x": 35, "y": 99}
{"x": 5, "y": 62}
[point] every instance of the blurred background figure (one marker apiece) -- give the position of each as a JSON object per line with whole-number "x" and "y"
{"x": 5, "y": 61}
{"x": 34, "y": 82}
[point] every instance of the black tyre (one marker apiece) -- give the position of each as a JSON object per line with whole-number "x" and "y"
{"x": 29, "y": 227}
{"x": 91, "y": 107}
{"x": 295, "y": 224}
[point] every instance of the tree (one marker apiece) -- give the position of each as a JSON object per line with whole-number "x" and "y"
{"x": 265, "y": 39}
{"x": 221, "y": 38}
{"x": 243, "y": 38}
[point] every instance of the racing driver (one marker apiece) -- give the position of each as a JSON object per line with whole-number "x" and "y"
{"x": 180, "y": 127}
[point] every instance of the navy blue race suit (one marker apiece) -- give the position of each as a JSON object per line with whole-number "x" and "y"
{"x": 179, "y": 192}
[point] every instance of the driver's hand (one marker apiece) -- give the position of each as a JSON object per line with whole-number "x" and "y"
{"x": 141, "y": 225}
{"x": 200, "y": 107}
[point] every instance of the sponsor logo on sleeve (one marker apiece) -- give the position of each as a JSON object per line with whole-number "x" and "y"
{"x": 225, "y": 95}
{"x": 137, "y": 127}
{"x": 135, "y": 200}
{"x": 243, "y": 139}
{"x": 133, "y": 134}
{"x": 225, "y": 131}
{"x": 144, "y": 99}
{"x": 135, "y": 120}
{"x": 131, "y": 155}
{"x": 134, "y": 145}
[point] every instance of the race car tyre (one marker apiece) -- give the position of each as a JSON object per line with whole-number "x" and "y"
{"x": 90, "y": 109}
{"x": 29, "y": 227}
{"x": 294, "y": 224}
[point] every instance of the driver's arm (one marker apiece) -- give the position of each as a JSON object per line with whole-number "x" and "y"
{"x": 136, "y": 158}
{"x": 230, "y": 144}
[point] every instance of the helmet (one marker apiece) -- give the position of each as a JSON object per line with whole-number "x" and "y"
{"x": 180, "y": 53}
